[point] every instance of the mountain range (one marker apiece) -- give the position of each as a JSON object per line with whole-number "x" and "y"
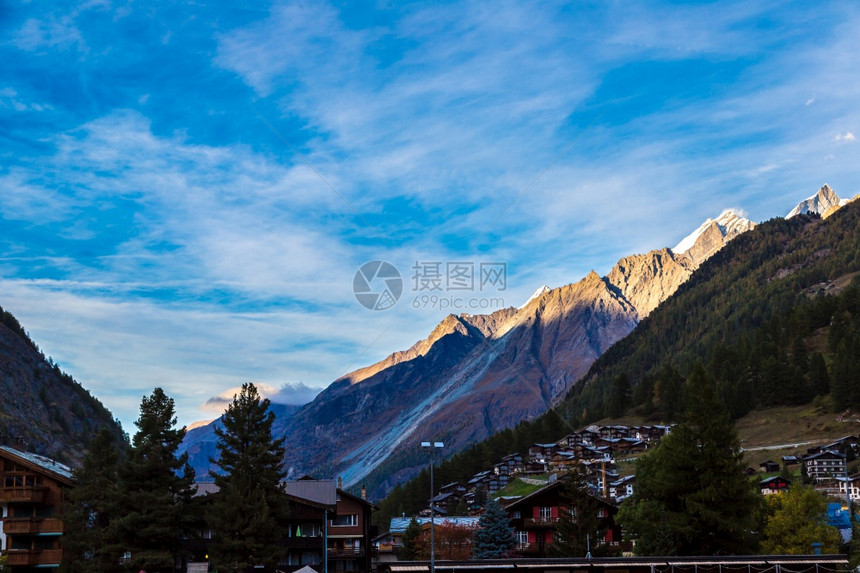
{"x": 471, "y": 377}
{"x": 475, "y": 375}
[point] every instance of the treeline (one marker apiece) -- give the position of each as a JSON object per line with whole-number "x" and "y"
{"x": 782, "y": 362}
{"x": 136, "y": 510}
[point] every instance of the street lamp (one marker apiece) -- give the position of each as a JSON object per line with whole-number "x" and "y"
{"x": 431, "y": 447}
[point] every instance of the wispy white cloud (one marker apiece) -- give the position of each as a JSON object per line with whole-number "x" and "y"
{"x": 187, "y": 246}
{"x": 847, "y": 136}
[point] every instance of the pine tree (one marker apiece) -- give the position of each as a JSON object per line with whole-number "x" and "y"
{"x": 579, "y": 522}
{"x": 90, "y": 514}
{"x": 818, "y": 377}
{"x": 250, "y": 507}
{"x": 155, "y": 489}
{"x": 693, "y": 485}
{"x": 411, "y": 547}
{"x": 619, "y": 396}
{"x": 495, "y": 536}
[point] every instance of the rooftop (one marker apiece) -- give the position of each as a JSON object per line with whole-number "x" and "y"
{"x": 41, "y": 462}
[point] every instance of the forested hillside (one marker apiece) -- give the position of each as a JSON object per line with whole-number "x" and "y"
{"x": 773, "y": 317}
{"x": 44, "y": 410}
{"x": 748, "y": 313}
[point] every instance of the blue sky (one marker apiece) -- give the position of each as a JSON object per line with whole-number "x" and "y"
{"x": 187, "y": 189}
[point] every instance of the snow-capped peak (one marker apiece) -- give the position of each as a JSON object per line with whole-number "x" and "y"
{"x": 537, "y": 294}
{"x": 731, "y": 222}
{"x": 824, "y": 199}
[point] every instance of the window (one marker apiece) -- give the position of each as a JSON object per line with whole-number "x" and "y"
{"x": 348, "y": 520}
{"x": 516, "y": 515}
{"x": 545, "y": 513}
{"x": 522, "y": 538}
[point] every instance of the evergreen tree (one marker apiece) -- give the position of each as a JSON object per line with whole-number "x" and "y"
{"x": 250, "y": 507}
{"x": 579, "y": 522}
{"x": 795, "y": 521}
{"x": 693, "y": 485}
{"x": 495, "y": 536}
{"x": 843, "y": 374}
{"x": 670, "y": 392}
{"x": 462, "y": 508}
{"x": 818, "y": 377}
{"x": 155, "y": 489}
{"x": 411, "y": 548}
{"x": 90, "y": 514}
{"x": 619, "y": 396}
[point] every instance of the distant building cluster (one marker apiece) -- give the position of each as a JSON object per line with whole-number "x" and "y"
{"x": 535, "y": 516}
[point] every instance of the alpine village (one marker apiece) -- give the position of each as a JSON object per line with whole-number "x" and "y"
{"x": 704, "y": 418}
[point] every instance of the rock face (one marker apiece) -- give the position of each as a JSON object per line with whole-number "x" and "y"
{"x": 42, "y": 409}
{"x": 647, "y": 280}
{"x": 475, "y": 375}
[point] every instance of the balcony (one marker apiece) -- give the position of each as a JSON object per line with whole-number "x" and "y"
{"x": 32, "y": 526}
{"x": 33, "y": 558}
{"x": 22, "y": 494}
{"x": 346, "y": 552}
{"x": 303, "y": 543}
{"x": 541, "y": 522}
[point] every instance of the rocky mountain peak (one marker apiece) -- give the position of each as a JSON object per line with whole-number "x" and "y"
{"x": 823, "y": 201}
{"x": 536, "y": 295}
{"x": 712, "y": 235}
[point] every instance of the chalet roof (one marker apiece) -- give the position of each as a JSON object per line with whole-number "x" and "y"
{"x": 320, "y": 491}
{"x": 357, "y": 498}
{"x": 40, "y": 463}
{"x": 441, "y": 497}
{"x": 823, "y": 454}
{"x": 544, "y": 445}
{"x": 773, "y": 478}
{"x": 624, "y": 480}
{"x": 840, "y": 442}
{"x": 544, "y": 489}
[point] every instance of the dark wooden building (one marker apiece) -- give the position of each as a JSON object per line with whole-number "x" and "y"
{"x": 32, "y": 492}
{"x": 536, "y": 517}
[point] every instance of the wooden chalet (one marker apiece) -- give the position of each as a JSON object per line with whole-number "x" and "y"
{"x": 32, "y": 493}
{"x": 536, "y": 517}
{"x": 622, "y": 488}
{"x": 614, "y": 432}
{"x": 824, "y": 465}
{"x": 849, "y": 485}
{"x": 542, "y": 453}
{"x": 327, "y": 528}
{"x": 769, "y": 466}
{"x": 772, "y": 485}
{"x": 509, "y": 465}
